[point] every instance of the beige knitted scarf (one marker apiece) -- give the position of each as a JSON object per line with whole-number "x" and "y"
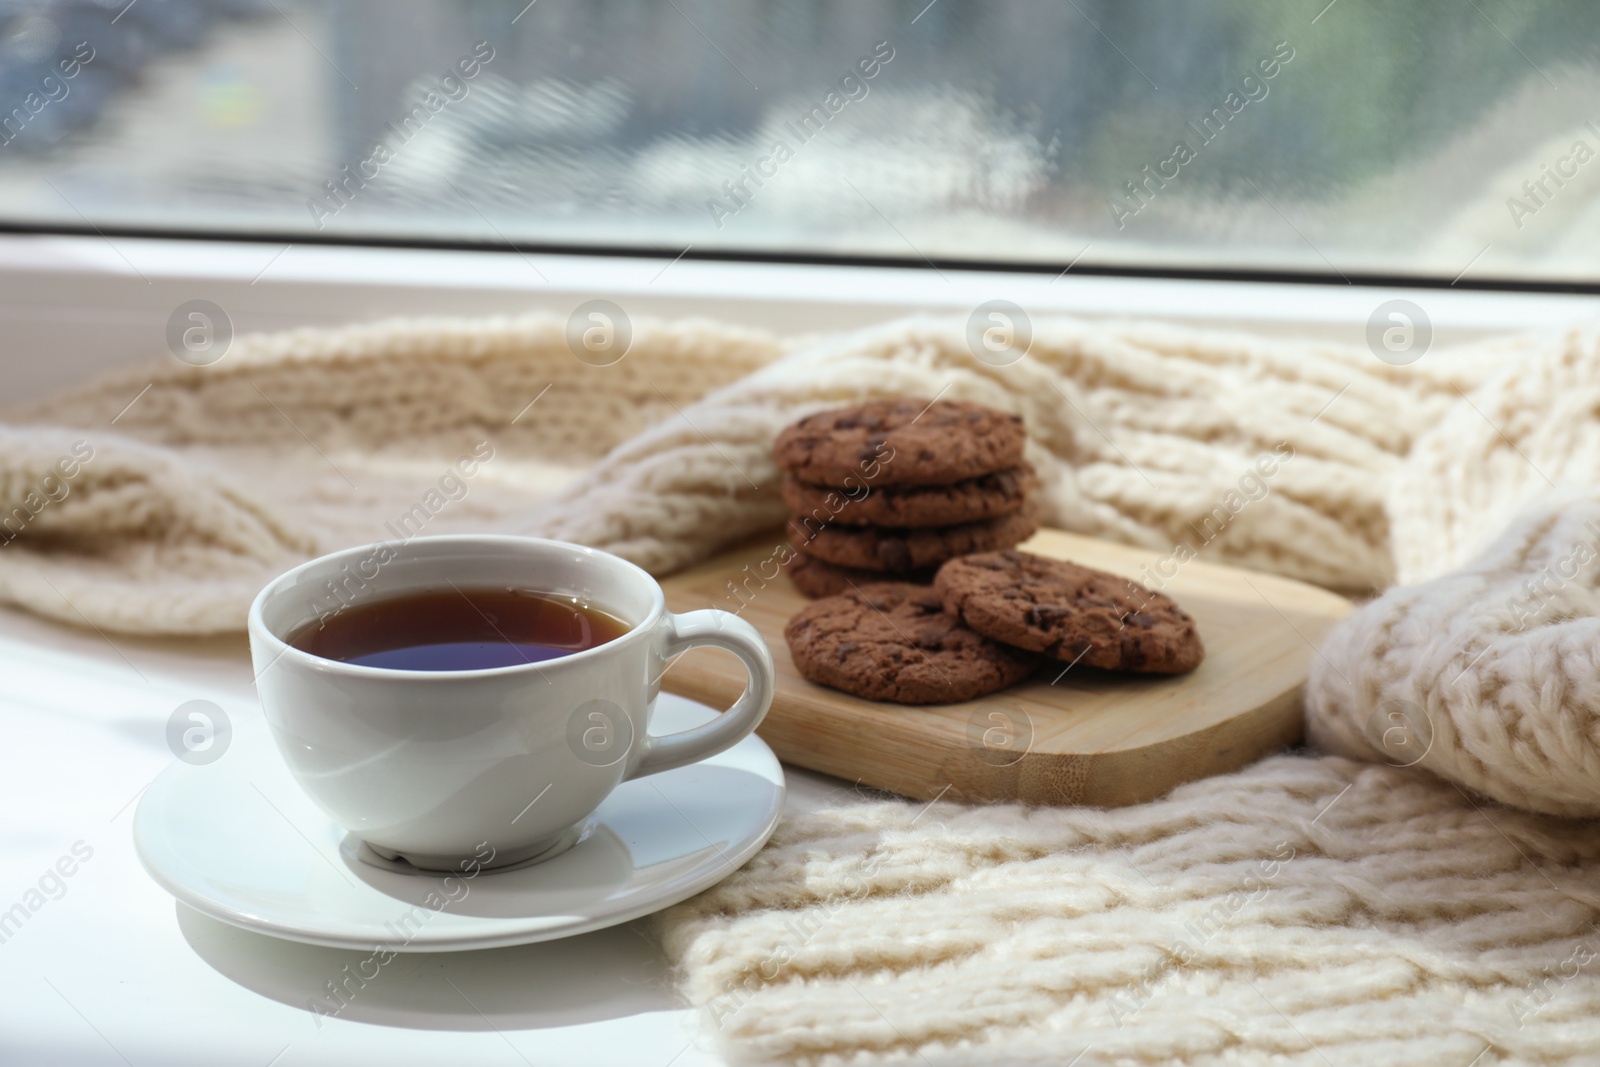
{"x": 206, "y": 481}
{"x": 1305, "y": 909}
{"x": 1302, "y": 911}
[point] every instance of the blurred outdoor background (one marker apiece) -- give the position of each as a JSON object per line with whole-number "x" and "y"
{"x": 1435, "y": 137}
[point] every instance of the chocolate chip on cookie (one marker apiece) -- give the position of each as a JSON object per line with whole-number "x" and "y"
{"x": 1072, "y": 613}
{"x": 815, "y": 578}
{"x": 900, "y": 441}
{"x": 882, "y": 548}
{"x": 894, "y": 641}
{"x": 988, "y": 496}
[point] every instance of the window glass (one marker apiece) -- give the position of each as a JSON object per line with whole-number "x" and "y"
{"x": 1432, "y": 138}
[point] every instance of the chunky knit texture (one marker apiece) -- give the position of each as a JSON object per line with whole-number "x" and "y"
{"x": 1304, "y": 910}
{"x": 208, "y": 481}
{"x": 1488, "y": 675}
{"x": 1529, "y": 428}
{"x": 326, "y": 436}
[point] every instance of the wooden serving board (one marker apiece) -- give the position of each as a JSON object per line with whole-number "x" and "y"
{"x": 1079, "y": 737}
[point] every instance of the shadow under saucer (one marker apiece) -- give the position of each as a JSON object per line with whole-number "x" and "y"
{"x": 607, "y": 974}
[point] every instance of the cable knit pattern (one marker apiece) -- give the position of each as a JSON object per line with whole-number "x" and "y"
{"x": 1301, "y": 911}
{"x": 1531, "y": 427}
{"x": 317, "y": 440}
{"x": 1137, "y": 432}
{"x": 1488, "y": 676}
{"x": 376, "y": 385}
{"x": 88, "y": 520}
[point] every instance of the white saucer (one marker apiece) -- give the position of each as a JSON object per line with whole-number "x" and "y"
{"x": 237, "y": 840}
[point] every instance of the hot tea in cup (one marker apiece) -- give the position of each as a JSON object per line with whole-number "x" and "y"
{"x": 461, "y": 691}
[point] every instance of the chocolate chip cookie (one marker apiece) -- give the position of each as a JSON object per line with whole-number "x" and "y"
{"x": 988, "y": 496}
{"x": 815, "y": 578}
{"x": 895, "y": 642}
{"x": 883, "y": 548}
{"x": 900, "y": 441}
{"x": 1069, "y": 612}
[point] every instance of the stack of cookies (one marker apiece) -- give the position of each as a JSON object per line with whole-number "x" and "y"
{"x": 988, "y": 621}
{"x": 888, "y": 490}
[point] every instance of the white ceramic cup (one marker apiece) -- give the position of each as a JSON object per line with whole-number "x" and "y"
{"x": 431, "y": 766}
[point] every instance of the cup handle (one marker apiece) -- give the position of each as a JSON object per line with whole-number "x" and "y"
{"x": 719, "y": 629}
